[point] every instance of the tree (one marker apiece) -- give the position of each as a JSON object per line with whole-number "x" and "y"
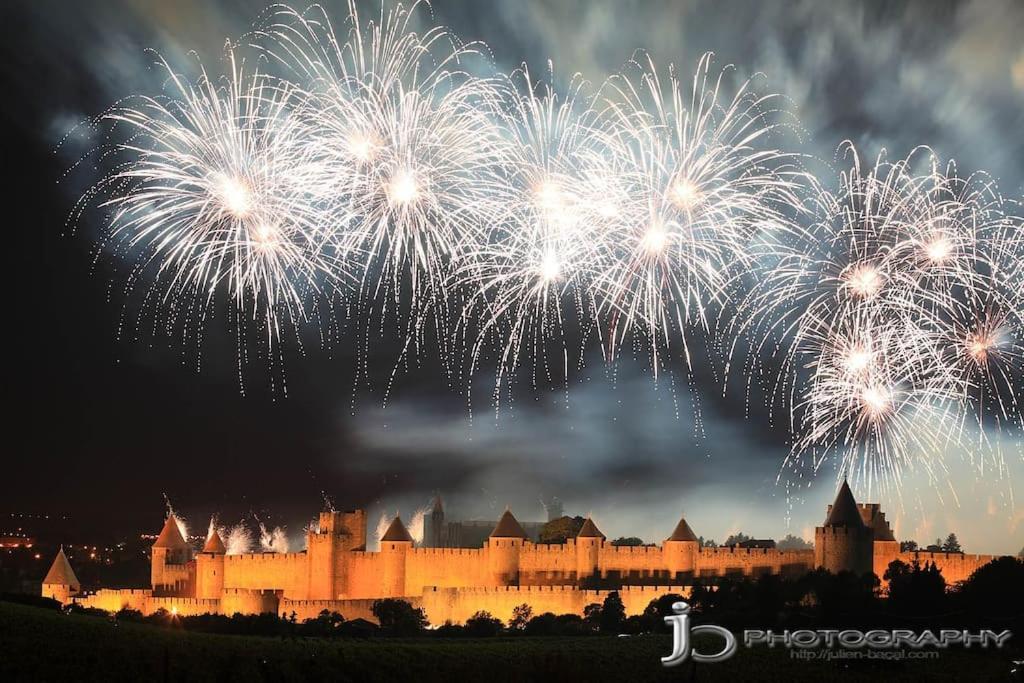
{"x": 993, "y": 591}
{"x": 613, "y": 614}
{"x": 628, "y": 540}
{"x": 653, "y": 618}
{"x": 915, "y": 590}
{"x": 908, "y": 546}
{"x": 952, "y": 544}
{"x": 324, "y": 625}
{"x": 541, "y": 625}
{"x": 791, "y": 542}
{"x": 398, "y": 617}
{"x": 561, "y": 529}
{"x": 521, "y": 615}
{"x": 592, "y": 615}
{"x": 737, "y": 538}
{"x": 483, "y": 625}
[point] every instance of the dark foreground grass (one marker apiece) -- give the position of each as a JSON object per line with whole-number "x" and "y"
{"x": 44, "y": 645}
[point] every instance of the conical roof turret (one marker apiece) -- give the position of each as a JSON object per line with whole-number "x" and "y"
{"x": 396, "y": 532}
{"x": 214, "y": 544}
{"x": 589, "y": 530}
{"x": 170, "y": 536}
{"x": 844, "y": 510}
{"x": 682, "y": 532}
{"x": 508, "y": 527}
{"x": 61, "y": 573}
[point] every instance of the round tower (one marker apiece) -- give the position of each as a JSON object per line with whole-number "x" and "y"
{"x": 844, "y": 543}
{"x": 680, "y": 551}
{"x": 170, "y": 555}
{"x": 60, "y": 582}
{"x": 394, "y": 545}
{"x": 588, "y": 551}
{"x": 503, "y": 550}
{"x": 210, "y": 567}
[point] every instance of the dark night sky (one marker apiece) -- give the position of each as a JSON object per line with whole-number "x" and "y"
{"x": 101, "y": 427}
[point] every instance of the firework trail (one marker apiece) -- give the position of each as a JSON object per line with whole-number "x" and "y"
{"x": 382, "y": 525}
{"x": 417, "y": 523}
{"x": 273, "y": 540}
{"x": 237, "y": 539}
{"x": 178, "y": 519}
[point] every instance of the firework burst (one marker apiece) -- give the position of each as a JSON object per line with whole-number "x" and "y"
{"x": 407, "y": 148}
{"x": 210, "y": 201}
{"x": 531, "y": 274}
{"x": 704, "y": 184}
{"x": 519, "y": 223}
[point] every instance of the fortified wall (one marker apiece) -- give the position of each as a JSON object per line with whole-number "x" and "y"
{"x": 337, "y": 573}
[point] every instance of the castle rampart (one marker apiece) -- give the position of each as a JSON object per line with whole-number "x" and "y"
{"x": 337, "y": 573}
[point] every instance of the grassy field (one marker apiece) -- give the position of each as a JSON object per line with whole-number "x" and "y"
{"x": 44, "y": 645}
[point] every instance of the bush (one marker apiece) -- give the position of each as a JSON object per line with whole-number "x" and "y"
{"x": 483, "y": 625}
{"x": 31, "y": 600}
{"x": 325, "y": 625}
{"x": 398, "y": 617}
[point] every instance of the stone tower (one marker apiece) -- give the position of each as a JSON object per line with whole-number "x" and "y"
{"x": 885, "y": 548}
{"x": 394, "y": 546}
{"x": 171, "y": 555}
{"x": 680, "y": 551}
{"x": 60, "y": 582}
{"x": 503, "y": 547}
{"x": 433, "y": 525}
{"x": 588, "y": 551}
{"x": 553, "y": 507}
{"x": 844, "y": 543}
{"x": 210, "y": 567}
{"x": 327, "y": 546}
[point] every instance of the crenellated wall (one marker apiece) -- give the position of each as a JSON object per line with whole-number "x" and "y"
{"x": 446, "y": 567}
{"x": 350, "y": 609}
{"x": 458, "y": 604}
{"x": 183, "y": 607}
{"x": 284, "y": 572}
{"x": 336, "y": 572}
{"x": 954, "y": 566}
{"x": 244, "y": 601}
{"x": 364, "y": 575}
{"x": 116, "y": 599}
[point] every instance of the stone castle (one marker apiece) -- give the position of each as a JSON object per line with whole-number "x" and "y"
{"x": 337, "y": 573}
